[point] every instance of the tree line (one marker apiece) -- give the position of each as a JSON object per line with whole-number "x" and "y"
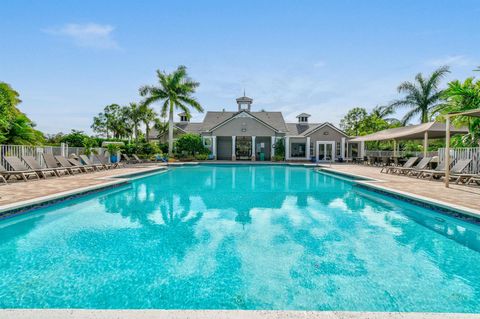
{"x": 425, "y": 101}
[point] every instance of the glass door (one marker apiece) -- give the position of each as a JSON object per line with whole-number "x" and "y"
{"x": 325, "y": 151}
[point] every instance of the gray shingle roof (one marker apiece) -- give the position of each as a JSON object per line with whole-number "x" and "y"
{"x": 295, "y": 129}
{"x": 274, "y": 119}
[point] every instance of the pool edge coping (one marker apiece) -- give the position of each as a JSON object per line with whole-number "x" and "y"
{"x": 109, "y": 181}
{"x": 219, "y": 314}
{"x": 371, "y": 183}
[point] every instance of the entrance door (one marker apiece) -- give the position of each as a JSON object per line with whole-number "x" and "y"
{"x": 243, "y": 148}
{"x": 325, "y": 151}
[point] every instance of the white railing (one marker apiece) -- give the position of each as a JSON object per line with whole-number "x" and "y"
{"x": 456, "y": 154}
{"x": 37, "y": 151}
{"x": 399, "y": 153}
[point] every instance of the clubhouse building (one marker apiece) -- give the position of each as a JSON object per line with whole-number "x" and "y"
{"x": 251, "y": 135}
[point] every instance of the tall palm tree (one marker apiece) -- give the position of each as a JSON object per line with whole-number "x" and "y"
{"x": 384, "y": 112}
{"x": 175, "y": 91}
{"x": 422, "y": 95}
{"x": 148, "y": 116}
{"x": 134, "y": 113}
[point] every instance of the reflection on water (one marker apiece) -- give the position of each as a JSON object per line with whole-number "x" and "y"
{"x": 240, "y": 237}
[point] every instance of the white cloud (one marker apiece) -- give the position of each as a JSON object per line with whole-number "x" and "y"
{"x": 452, "y": 60}
{"x": 90, "y": 35}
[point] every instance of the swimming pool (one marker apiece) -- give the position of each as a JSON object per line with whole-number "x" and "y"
{"x": 240, "y": 237}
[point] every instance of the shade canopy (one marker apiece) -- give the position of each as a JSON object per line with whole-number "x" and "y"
{"x": 473, "y": 113}
{"x": 411, "y": 132}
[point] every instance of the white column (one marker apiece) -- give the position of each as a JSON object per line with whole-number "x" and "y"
{"x": 272, "y": 147}
{"x": 307, "y": 151}
{"x": 362, "y": 149}
{"x": 287, "y": 148}
{"x": 253, "y": 149}
{"x": 233, "y": 148}
{"x": 214, "y": 147}
{"x": 342, "y": 149}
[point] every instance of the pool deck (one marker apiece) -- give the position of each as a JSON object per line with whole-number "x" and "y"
{"x": 219, "y": 314}
{"x": 462, "y": 197}
{"x": 19, "y": 193}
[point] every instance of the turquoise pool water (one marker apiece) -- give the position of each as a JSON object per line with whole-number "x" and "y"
{"x": 240, "y": 237}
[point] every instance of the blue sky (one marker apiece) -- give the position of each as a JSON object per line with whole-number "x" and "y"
{"x": 69, "y": 59}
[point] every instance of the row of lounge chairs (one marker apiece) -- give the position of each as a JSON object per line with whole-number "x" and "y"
{"x": 420, "y": 170}
{"x": 55, "y": 166}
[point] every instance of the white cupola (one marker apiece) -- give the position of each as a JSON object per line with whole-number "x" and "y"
{"x": 244, "y": 103}
{"x": 303, "y": 118}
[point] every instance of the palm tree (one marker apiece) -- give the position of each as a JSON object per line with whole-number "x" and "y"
{"x": 148, "y": 116}
{"x": 134, "y": 113}
{"x": 175, "y": 91}
{"x": 422, "y": 96}
{"x": 383, "y": 112}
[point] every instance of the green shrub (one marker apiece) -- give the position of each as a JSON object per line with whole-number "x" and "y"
{"x": 201, "y": 157}
{"x": 279, "y": 150}
{"x": 190, "y": 144}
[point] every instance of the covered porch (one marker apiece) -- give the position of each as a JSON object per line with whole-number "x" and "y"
{"x": 246, "y": 148}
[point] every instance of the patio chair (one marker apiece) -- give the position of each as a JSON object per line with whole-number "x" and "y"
{"x": 139, "y": 160}
{"x": 35, "y": 166}
{"x": 105, "y": 162}
{"x": 86, "y": 168}
{"x": 127, "y": 158}
{"x": 414, "y": 170}
{"x": 424, "y": 173}
{"x": 87, "y": 161}
{"x": 456, "y": 171}
{"x": 473, "y": 178}
{"x": 51, "y": 162}
{"x": 4, "y": 174}
{"x": 390, "y": 169}
{"x": 66, "y": 164}
{"x": 20, "y": 168}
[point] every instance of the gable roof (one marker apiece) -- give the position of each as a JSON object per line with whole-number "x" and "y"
{"x": 273, "y": 120}
{"x": 314, "y": 129}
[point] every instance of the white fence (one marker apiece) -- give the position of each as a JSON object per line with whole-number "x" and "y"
{"x": 399, "y": 153}
{"x": 37, "y": 151}
{"x": 472, "y": 153}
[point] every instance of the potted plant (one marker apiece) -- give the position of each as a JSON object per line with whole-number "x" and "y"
{"x": 113, "y": 151}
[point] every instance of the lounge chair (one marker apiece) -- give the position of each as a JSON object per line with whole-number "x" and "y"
{"x": 66, "y": 164}
{"x": 391, "y": 169}
{"x": 51, "y": 162}
{"x": 129, "y": 160}
{"x": 87, "y": 161}
{"x": 86, "y": 168}
{"x": 424, "y": 173}
{"x": 473, "y": 178}
{"x": 455, "y": 172}
{"x": 105, "y": 162}
{"x": 138, "y": 159}
{"x": 35, "y": 166}
{"x": 18, "y": 167}
{"x": 420, "y": 166}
